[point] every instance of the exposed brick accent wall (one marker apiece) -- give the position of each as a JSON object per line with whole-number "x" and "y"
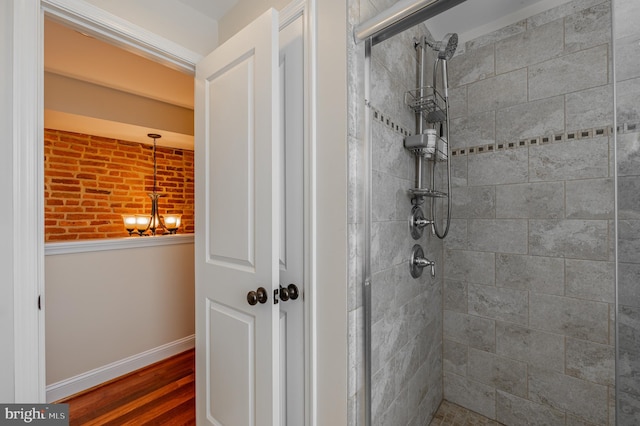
{"x": 90, "y": 181}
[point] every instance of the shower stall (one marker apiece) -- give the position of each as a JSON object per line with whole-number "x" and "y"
{"x": 530, "y": 220}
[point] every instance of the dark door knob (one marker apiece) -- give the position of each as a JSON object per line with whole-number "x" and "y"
{"x": 260, "y": 295}
{"x": 284, "y": 294}
{"x": 289, "y": 292}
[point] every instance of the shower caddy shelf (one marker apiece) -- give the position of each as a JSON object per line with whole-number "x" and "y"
{"x": 432, "y": 106}
{"x": 429, "y": 102}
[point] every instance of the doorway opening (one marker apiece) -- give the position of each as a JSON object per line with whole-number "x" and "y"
{"x": 108, "y": 295}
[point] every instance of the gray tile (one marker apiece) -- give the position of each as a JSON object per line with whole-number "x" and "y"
{"x": 564, "y": 10}
{"x": 388, "y": 154}
{"x": 382, "y": 391}
{"x": 406, "y": 362}
{"x": 534, "y": 347}
{"x": 590, "y": 108}
{"x": 627, "y": 58}
{"x": 628, "y": 200}
{"x": 581, "y": 239}
{"x": 459, "y": 171}
{"x": 628, "y": 364}
{"x": 530, "y": 120}
{"x": 629, "y": 409}
{"x": 514, "y": 411}
{"x": 383, "y": 292}
{"x": 502, "y": 373}
{"x": 389, "y": 245}
{"x": 468, "y": 329}
{"x": 397, "y": 57}
{"x": 475, "y": 202}
{"x": 588, "y": 27}
{"x": 534, "y": 273}
{"x": 388, "y": 335}
{"x": 457, "y": 237}
{"x": 384, "y": 190}
{"x": 457, "y": 102}
{"x": 471, "y": 66}
{"x": 627, "y": 108}
{"x": 455, "y": 357}
{"x": 419, "y": 385}
{"x": 470, "y": 394}
{"x": 625, "y": 23}
{"x": 591, "y": 361}
{"x": 530, "y": 201}
{"x": 499, "y": 303}
{"x": 455, "y": 296}
{"x": 590, "y": 280}
{"x": 473, "y": 130}
{"x": 503, "y": 167}
{"x": 628, "y": 328}
{"x": 384, "y": 95}
{"x": 579, "y": 159}
{"x": 569, "y": 73}
{"x": 582, "y": 319}
{"x": 533, "y": 46}
{"x": 498, "y": 92}
{"x": 576, "y": 396}
{"x": 470, "y": 266}
{"x": 628, "y": 241}
{"x": 628, "y": 279}
{"x": 500, "y": 34}
{"x": 498, "y": 235}
{"x": 590, "y": 199}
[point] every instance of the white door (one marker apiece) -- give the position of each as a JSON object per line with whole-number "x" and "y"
{"x": 292, "y": 221}
{"x": 237, "y": 238}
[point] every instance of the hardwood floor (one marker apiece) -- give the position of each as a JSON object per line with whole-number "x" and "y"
{"x": 160, "y": 394}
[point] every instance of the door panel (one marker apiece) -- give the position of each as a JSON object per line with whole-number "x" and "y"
{"x": 238, "y": 220}
{"x": 232, "y": 337}
{"x": 231, "y": 95}
{"x": 292, "y": 217}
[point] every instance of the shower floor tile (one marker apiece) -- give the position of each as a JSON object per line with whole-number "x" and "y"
{"x": 450, "y": 414}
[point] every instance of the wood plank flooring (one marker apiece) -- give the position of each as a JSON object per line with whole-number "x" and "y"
{"x": 160, "y": 394}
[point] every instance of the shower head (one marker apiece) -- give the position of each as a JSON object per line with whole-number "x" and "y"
{"x": 445, "y": 48}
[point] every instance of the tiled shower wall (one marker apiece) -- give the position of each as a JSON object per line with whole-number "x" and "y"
{"x": 529, "y": 271}
{"x": 406, "y": 315}
{"x": 406, "y": 320}
{"x": 627, "y": 38}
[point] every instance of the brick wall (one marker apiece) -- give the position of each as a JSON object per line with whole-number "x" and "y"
{"x": 90, "y": 181}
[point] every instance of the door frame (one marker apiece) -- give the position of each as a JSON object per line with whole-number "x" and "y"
{"x": 28, "y": 151}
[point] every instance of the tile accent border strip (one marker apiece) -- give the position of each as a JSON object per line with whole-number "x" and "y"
{"x": 595, "y": 132}
{"x": 387, "y": 121}
{"x": 535, "y": 141}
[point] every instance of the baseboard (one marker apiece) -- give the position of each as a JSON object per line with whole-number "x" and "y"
{"x": 75, "y": 384}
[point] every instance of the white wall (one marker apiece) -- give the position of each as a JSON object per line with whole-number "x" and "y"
{"x": 6, "y": 213}
{"x": 105, "y": 306}
{"x": 244, "y": 12}
{"x": 170, "y": 19}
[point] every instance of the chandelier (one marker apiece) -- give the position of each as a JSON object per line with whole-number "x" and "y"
{"x": 150, "y": 224}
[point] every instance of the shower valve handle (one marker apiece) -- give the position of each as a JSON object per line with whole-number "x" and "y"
{"x": 421, "y": 222}
{"x": 424, "y": 262}
{"x": 418, "y": 262}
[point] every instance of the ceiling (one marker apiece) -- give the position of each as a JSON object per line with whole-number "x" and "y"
{"x": 474, "y": 18}
{"x": 214, "y": 9}
{"x": 71, "y": 54}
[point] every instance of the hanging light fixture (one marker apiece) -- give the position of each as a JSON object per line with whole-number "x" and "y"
{"x": 141, "y": 223}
